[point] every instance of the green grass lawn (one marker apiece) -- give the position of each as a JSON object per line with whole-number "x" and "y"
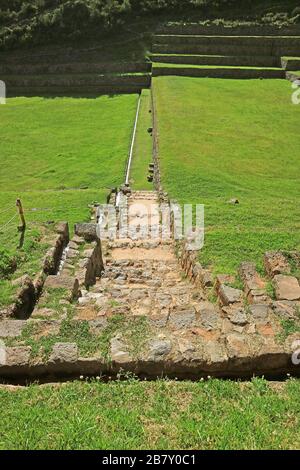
{"x": 59, "y": 155}
{"x": 142, "y": 153}
{"x": 224, "y": 139}
{"x": 156, "y": 415}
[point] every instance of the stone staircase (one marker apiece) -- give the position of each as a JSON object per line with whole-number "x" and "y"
{"x": 142, "y": 276}
{"x": 146, "y": 305}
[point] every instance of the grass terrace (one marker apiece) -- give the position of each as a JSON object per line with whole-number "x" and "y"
{"x": 226, "y": 139}
{"x": 158, "y": 415}
{"x": 58, "y": 155}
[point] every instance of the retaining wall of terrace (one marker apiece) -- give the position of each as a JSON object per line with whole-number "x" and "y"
{"x": 293, "y": 30}
{"x": 77, "y": 91}
{"x": 223, "y": 49}
{"x": 251, "y": 61}
{"x": 253, "y": 41}
{"x": 75, "y": 68}
{"x": 65, "y": 361}
{"x": 75, "y": 84}
{"x": 77, "y": 80}
{"x": 237, "y": 73}
{"x": 29, "y": 289}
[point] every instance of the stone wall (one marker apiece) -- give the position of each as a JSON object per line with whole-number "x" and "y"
{"x": 237, "y": 73}
{"x": 251, "y": 61}
{"x": 74, "y": 68}
{"x": 170, "y": 356}
{"x": 223, "y": 49}
{"x": 82, "y": 265}
{"x": 28, "y": 289}
{"x": 229, "y": 31}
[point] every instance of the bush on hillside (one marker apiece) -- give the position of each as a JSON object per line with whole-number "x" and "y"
{"x": 43, "y": 21}
{"x": 8, "y": 263}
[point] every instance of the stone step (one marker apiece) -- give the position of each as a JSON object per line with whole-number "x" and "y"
{"x": 216, "y": 72}
{"x": 154, "y": 300}
{"x": 144, "y": 193}
{"x": 226, "y": 60}
{"x": 252, "y": 41}
{"x": 105, "y": 286}
{"x": 224, "y": 31}
{"x": 145, "y": 271}
{"x": 146, "y": 244}
{"x": 72, "y": 90}
{"x": 162, "y": 253}
{"x": 66, "y": 68}
{"x": 225, "y": 49}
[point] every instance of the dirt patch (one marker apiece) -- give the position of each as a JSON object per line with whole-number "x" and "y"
{"x": 161, "y": 254}
{"x": 86, "y": 313}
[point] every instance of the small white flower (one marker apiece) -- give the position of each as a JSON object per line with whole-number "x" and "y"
{"x": 81, "y": 377}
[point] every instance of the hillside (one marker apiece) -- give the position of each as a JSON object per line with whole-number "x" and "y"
{"x": 38, "y": 22}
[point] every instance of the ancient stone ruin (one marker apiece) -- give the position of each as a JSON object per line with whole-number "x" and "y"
{"x": 147, "y": 306}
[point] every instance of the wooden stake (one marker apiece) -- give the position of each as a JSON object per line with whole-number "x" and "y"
{"x": 21, "y": 214}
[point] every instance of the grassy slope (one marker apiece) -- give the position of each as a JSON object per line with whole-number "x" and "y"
{"x": 223, "y": 139}
{"x": 53, "y": 148}
{"x": 142, "y": 154}
{"x": 157, "y": 415}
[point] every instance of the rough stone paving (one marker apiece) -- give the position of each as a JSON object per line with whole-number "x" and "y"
{"x": 149, "y": 307}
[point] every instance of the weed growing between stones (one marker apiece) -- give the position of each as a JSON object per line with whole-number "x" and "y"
{"x": 15, "y": 263}
{"x": 52, "y": 299}
{"x": 69, "y": 331}
{"x": 289, "y": 327}
{"x": 270, "y": 289}
{"x": 135, "y": 332}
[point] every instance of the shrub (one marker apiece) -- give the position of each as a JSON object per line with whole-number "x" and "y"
{"x": 8, "y": 263}
{"x": 296, "y": 11}
{"x": 41, "y": 21}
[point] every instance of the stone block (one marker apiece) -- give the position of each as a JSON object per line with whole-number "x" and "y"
{"x": 69, "y": 283}
{"x": 87, "y": 231}
{"x": 251, "y": 279}
{"x": 16, "y": 356}
{"x": 119, "y": 350}
{"x": 159, "y": 349}
{"x": 209, "y": 316}
{"x": 259, "y": 313}
{"x": 286, "y": 287}
{"x": 11, "y": 328}
{"x": 182, "y": 317}
{"x": 229, "y": 295}
{"x": 276, "y": 263}
{"x": 64, "y": 353}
